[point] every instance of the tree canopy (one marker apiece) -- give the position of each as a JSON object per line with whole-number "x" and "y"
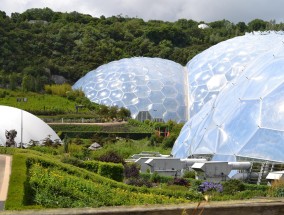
{"x": 39, "y": 43}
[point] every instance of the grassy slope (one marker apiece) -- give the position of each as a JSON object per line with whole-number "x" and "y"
{"x": 37, "y": 101}
{"x": 20, "y": 193}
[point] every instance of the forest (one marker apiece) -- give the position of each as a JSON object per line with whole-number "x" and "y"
{"x": 40, "y": 43}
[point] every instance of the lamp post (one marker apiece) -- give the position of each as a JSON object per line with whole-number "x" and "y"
{"x": 21, "y": 143}
{"x": 22, "y": 121}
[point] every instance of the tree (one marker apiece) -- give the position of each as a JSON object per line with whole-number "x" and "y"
{"x": 257, "y": 25}
{"x": 242, "y": 27}
{"x": 123, "y": 113}
{"x": 12, "y": 81}
{"x": 25, "y": 83}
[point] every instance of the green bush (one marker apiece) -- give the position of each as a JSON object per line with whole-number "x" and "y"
{"x": 111, "y": 170}
{"x": 256, "y": 187}
{"x": 156, "y": 178}
{"x": 189, "y": 174}
{"x": 111, "y": 156}
{"x": 92, "y": 166}
{"x": 233, "y": 186}
{"x": 246, "y": 194}
{"x": 277, "y": 189}
{"x": 72, "y": 160}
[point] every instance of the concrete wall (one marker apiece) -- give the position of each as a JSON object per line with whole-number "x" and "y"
{"x": 251, "y": 207}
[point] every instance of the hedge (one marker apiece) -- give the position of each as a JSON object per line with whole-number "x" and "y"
{"x": 110, "y": 170}
{"x": 90, "y": 135}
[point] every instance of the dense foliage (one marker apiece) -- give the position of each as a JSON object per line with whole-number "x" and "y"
{"x": 39, "y": 43}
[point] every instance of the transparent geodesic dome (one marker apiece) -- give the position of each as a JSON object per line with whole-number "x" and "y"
{"x": 246, "y": 120}
{"x": 212, "y": 69}
{"x": 150, "y": 86}
{"x": 27, "y": 126}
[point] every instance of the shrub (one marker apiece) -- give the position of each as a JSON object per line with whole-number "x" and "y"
{"x": 179, "y": 181}
{"x": 156, "y": 178}
{"x": 189, "y": 174}
{"x": 113, "y": 171}
{"x": 139, "y": 182}
{"x": 277, "y": 189}
{"x": 92, "y": 166}
{"x": 131, "y": 170}
{"x": 233, "y": 186}
{"x": 111, "y": 156}
{"x": 72, "y": 160}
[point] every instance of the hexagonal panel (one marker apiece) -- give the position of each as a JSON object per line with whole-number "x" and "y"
{"x": 130, "y": 99}
{"x": 169, "y": 115}
{"x": 128, "y": 87}
{"x": 217, "y": 82}
{"x": 102, "y": 94}
{"x": 116, "y": 95}
{"x": 112, "y": 76}
{"x": 125, "y": 77}
{"x": 118, "y": 104}
{"x": 143, "y": 104}
{"x": 100, "y": 86}
{"x": 140, "y": 80}
{"x": 142, "y": 91}
{"x": 114, "y": 85}
{"x": 133, "y": 109}
{"x": 155, "y": 85}
{"x": 156, "y": 97}
{"x": 106, "y": 101}
{"x": 157, "y": 110}
{"x": 170, "y": 104}
{"x": 169, "y": 91}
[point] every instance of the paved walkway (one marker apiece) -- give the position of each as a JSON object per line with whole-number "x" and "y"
{"x": 5, "y": 171}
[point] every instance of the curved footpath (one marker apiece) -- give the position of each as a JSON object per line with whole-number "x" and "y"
{"x": 5, "y": 171}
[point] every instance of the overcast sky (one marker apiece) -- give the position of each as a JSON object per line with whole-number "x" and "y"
{"x": 167, "y": 10}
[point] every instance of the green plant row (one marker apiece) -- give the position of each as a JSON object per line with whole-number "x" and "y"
{"x": 55, "y": 188}
{"x": 116, "y": 128}
{"x": 110, "y": 170}
{"x": 90, "y": 135}
{"x": 141, "y": 125}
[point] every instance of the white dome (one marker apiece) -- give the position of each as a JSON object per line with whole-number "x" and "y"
{"x": 246, "y": 119}
{"x": 16, "y": 119}
{"x": 203, "y": 26}
{"x": 143, "y": 85}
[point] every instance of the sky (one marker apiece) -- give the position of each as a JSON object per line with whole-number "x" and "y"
{"x": 167, "y": 10}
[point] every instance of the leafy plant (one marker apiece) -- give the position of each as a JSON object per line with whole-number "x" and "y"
{"x": 277, "y": 189}
{"x": 131, "y": 170}
{"x": 111, "y": 156}
{"x": 179, "y": 181}
{"x": 233, "y": 186}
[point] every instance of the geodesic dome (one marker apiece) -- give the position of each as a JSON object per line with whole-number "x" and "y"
{"x": 246, "y": 119}
{"x": 146, "y": 86}
{"x": 27, "y": 126}
{"x": 211, "y": 70}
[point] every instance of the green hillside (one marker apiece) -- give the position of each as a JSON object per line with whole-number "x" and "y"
{"x": 39, "y": 43}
